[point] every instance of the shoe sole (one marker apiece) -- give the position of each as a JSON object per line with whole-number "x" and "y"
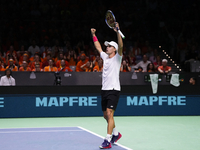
{"x": 105, "y": 147}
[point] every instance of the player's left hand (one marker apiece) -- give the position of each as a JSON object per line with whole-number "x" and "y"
{"x": 116, "y": 28}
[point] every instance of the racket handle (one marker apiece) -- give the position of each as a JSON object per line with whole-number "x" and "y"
{"x": 121, "y": 34}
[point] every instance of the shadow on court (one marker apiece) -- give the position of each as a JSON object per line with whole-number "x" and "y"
{"x": 62, "y": 138}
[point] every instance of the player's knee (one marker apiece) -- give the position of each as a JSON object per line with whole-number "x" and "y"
{"x": 109, "y": 114}
{"x": 105, "y": 117}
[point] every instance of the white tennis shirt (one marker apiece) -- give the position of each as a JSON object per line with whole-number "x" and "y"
{"x": 110, "y": 74}
{"x": 5, "y": 81}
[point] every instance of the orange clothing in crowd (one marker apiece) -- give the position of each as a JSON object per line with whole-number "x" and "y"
{"x": 3, "y": 59}
{"x": 2, "y": 69}
{"x": 22, "y": 69}
{"x": 14, "y": 69}
{"x": 34, "y": 69}
{"x": 72, "y": 62}
{"x": 66, "y": 69}
{"x": 88, "y": 70}
{"x": 166, "y": 68}
{"x": 79, "y": 64}
{"x": 8, "y": 52}
{"x": 48, "y": 69}
{"x": 58, "y": 65}
{"x": 125, "y": 70}
{"x": 98, "y": 69}
{"x": 31, "y": 59}
{"x": 14, "y": 62}
{"x": 33, "y": 65}
{"x": 20, "y": 64}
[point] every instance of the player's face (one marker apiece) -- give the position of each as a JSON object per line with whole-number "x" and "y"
{"x": 110, "y": 49}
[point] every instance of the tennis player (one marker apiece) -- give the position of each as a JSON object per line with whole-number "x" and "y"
{"x": 110, "y": 84}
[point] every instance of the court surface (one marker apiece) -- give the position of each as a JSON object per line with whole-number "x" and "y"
{"x": 138, "y": 133}
{"x": 60, "y": 138}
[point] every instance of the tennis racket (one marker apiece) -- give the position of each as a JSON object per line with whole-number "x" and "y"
{"x": 110, "y": 21}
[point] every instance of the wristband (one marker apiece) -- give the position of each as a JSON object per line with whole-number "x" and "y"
{"x": 95, "y": 39}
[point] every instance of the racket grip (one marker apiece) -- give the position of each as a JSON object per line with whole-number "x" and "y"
{"x": 121, "y": 34}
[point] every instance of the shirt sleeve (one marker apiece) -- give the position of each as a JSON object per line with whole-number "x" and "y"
{"x": 103, "y": 55}
{"x": 13, "y": 82}
{"x": 0, "y": 81}
{"x": 137, "y": 65}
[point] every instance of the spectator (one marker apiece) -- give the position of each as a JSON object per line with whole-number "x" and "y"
{"x": 99, "y": 67}
{"x": 164, "y": 68}
{"x": 158, "y": 62}
{"x": 96, "y": 60}
{"x": 1, "y": 66}
{"x": 124, "y": 67}
{"x": 72, "y": 58}
{"x": 11, "y": 52}
{"x": 192, "y": 81}
{"x": 81, "y": 62}
{"x": 50, "y": 67}
{"x": 13, "y": 56}
{"x": 153, "y": 58}
{"x": 25, "y": 58}
{"x": 64, "y": 67}
{"x": 132, "y": 58}
{"x": 46, "y": 61}
{"x": 87, "y": 67}
{"x": 140, "y": 69}
{"x": 3, "y": 60}
{"x": 36, "y": 60}
{"x": 143, "y": 64}
{"x": 151, "y": 68}
{"x": 37, "y": 68}
{"x": 58, "y": 60}
{"x": 12, "y": 66}
{"x": 33, "y": 48}
{"x": 7, "y": 80}
{"x": 44, "y": 50}
{"x": 24, "y": 67}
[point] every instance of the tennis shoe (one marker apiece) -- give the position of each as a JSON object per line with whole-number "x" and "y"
{"x": 105, "y": 145}
{"x": 115, "y": 138}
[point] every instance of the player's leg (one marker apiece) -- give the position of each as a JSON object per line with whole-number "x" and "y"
{"x": 106, "y": 144}
{"x": 110, "y": 120}
{"x": 111, "y": 107}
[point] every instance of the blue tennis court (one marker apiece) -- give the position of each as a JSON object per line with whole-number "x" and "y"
{"x": 56, "y": 138}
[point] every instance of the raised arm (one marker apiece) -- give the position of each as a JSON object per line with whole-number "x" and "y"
{"x": 120, "y": 42}
{"x": 95, "y": 40}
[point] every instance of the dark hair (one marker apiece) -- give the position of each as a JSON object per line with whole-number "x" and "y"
{"x": 148, "y": 67}
{"x": 8, "y": 70}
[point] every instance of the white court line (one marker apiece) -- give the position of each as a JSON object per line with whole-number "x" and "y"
{"x": 103, "y": 137}
{"x": 40, "y": 131}
{"x": 34, "y": 128}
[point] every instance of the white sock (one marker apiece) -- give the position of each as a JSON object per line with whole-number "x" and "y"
{"x": 115, "y": 132}
{"x": 108, "y": 137}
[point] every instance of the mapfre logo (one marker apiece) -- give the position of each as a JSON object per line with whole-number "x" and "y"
{"x": 1, "y": 102}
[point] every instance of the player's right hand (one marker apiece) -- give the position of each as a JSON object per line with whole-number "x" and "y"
{"x": 93, "y": 31}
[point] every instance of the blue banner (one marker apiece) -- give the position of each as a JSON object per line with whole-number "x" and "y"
{"x": 62, "y": 105}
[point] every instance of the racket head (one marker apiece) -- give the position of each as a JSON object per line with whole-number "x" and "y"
{"x": 110, "y": 19}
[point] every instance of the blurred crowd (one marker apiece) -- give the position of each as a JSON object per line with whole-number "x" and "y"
{"x": 54, "y": 35}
